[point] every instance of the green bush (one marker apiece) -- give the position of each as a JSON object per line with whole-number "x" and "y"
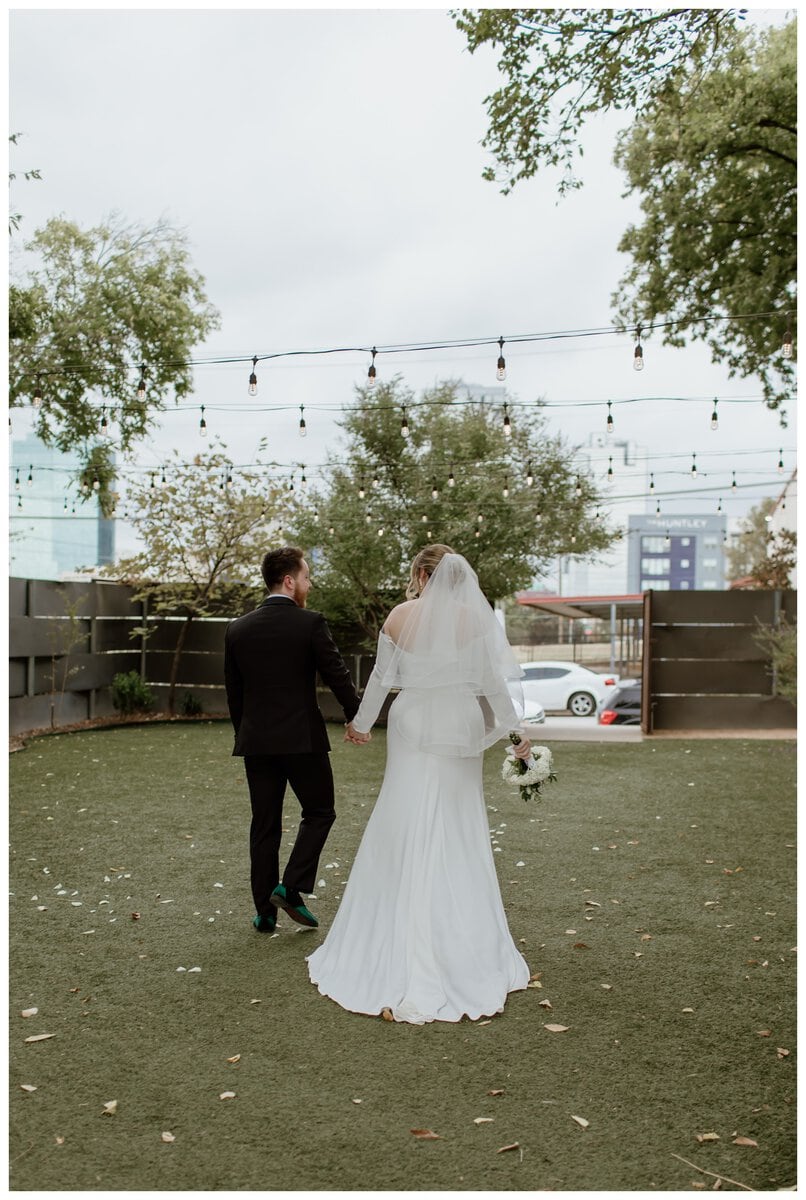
{"x": 190, "y": 706}
{"x": 130, "y": 693}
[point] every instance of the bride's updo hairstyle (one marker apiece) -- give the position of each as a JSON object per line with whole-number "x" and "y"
{"x": 427, "y": 560}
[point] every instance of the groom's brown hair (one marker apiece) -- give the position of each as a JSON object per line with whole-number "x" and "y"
{"x": 279, "y": 563}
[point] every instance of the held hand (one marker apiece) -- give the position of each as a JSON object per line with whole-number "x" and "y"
{"x": 352, "y": 735}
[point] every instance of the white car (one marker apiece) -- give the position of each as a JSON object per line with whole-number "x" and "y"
{"x": 561, "y": 685}
{"x": 533, "y": 713}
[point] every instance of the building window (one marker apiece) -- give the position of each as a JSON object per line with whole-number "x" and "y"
{"x": 710, "y": 585}
{"x": 685, "y": 562}
{"x": 711, "y": 542}
{"x": 656, "y": 585}
{"x": 683, "y": 585}
{"x": 655, "y": 566}
{"x": 685, "y": 541}
{"x": 709, "y": 563}
{"x": 653, "y": 545}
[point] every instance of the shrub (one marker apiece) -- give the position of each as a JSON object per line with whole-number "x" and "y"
{"x": 190, "y": 706}
{"x": 130, "y": 693}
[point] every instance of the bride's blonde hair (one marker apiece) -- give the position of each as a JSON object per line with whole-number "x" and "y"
{"x": 427, "y": 560}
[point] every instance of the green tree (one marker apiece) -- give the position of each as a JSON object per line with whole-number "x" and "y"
{"x": 103, "y": 325}
{"x": 564, "y": 65}
{"x": 204, "y": 534}
{"x": 711, "y": 152}
{"x": 508, "y": 504}
{"x": 15, "y": 218}
{"x": 775, "y": 570}
{"x": 714, "y": 159}
{"x": 749, "y": 546}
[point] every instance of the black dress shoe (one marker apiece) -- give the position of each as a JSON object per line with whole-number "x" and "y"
{"x": 264, "y": 924}
{"x": 291, "y": 901}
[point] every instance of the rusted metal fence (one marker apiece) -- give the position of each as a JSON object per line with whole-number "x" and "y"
{"x": 704, "y": 667}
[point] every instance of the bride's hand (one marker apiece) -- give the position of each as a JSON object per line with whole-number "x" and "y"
{"x": 523, "y": 748}
{"x": 352, "y": 735}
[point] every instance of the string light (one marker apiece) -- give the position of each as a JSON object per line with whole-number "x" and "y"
{"x": 733, "y": 484}
{"x": 331, "y": 530}
{"x": 17, "y": 480}
{"x": 480, "y": 518}
{"x": 152, "y": 486}
{"x": 375, "y": 480}
{"x": 252, "y": 389}
{"x": 424, "y": 519}
{"x": 65, "y": 504}
{"x": 37, "y": 397}
{"x": 19, "y": 502}
{"x": 104, "y": 427}
{"x": 371, "y": 373}
{"x": 694, "y": 466}
{"x": 380, "y": 531}
{"x": 651, "y": 482}
{"x": 507, "y": 422}
{"x": 781, "y": 462}
{"x": 657, "y": 508}
{"x": 578, "y": 488}
{"x": 714, "y": 415}
{"x": 30, "y": 479}
{"x": 434, "y": 490}
{"x": 451, "y": 479}
{"x": 538, "y": 516}
{"x": 361, "y": 490}
{"x": 303, "y": 428}
{"x": 163, "y": 481}
{"x": 501, "y": 368}
{"x": 638, "y": 354}
{"x": 141, "y": 387}
{"x": 719, "y": 506}
{"x": 404, "y": 424}
{"x": 529, "y": 476}
{"x": 96, "y": 483}
{"x": 368, "y": 518}
{"x": 506, "y": 487}
{"x": 609, "y": 417}
{"x": 610, "y": 469}
{"x": 786, "y": 346}
{"x": 303, "y": 483}
{"x": 202, "y": 424}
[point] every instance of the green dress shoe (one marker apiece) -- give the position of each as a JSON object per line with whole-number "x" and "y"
{"x": 291, "y": 902}
{"x": 264, "y": 924}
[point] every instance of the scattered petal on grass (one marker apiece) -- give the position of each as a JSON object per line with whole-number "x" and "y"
{"x": 513, "y": 1146}
{"x": 581, "y": 946}
{"x": 581, "y": 1121}
{"x": 358, "y": 1101}
{"x": 29, "y": 1012}
{"x": 227, "y": 1096}
{"x": 488, "y": 1021}
{"x": 255, "y": 1001}
{"x": 497, "y": 1092}
{"x": 110, "y": 1108}
{"x": 782, "y": 1053}
{"x": 193, "y": 969}
{"x": 593, "y": 904}
{"x": 235, "y": 1058}
{"x": 687, "y": 1010}
{"x": 482, "y": 1120}
{"x": 763, "y": 1032}
{"x": 135, "y": 916}
{"x": 535, "y": 984}
{"x": 545, "y": 1004}
{"x": 744, "y": 1141}
{"x": 28, "y": 1087}
{"x": 608, "y": 987}
{"x": 707, "y": 1137}
{"x": 40, "y": 1037}
{"x": 167, "y": 1136}
{"x": 557, "y": 1028}
{"x": 426, "y": 1134}
{"x": 59, "y": 1140}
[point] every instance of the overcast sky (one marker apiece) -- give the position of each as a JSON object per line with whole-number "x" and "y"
{"x": 326, "y": 165}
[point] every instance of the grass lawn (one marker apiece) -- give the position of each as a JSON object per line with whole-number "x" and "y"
{"x": 653, "y": 889}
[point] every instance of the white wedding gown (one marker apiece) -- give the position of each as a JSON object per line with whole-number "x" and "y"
{"x": 421, "y": 928}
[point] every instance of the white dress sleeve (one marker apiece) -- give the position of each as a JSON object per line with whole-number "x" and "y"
{"x": 376, "y": 691}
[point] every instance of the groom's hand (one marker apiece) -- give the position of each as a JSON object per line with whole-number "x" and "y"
{"x": 352, "y": 735}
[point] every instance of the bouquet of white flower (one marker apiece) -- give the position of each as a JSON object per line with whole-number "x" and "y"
{"x": 530, "y": 775}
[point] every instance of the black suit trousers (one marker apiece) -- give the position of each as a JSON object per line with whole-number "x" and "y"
{"x": 311, "y": 780}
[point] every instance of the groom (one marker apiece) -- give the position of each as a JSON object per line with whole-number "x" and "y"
{"x": 271, "y": 659}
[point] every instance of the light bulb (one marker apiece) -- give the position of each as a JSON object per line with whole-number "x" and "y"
{"x": 451, "y": 480}
{"x": 651, "y": 482}
{"x": 501, "y": 368}
{"x": 253, "y": 379}
{"x": 30, "y": 479}
{"x": 380, "y": 531}
{"x": 786, "y": 346}
{"x": 17, "y": 479}
{"x": 609, "y": 417}
{"x": 141, "y": 387}
{"x": 371, "y": 373}
{"x": 37, "y": 397}
{"x": 303, "y": 428}
{"x": 424, "y": 519}
{"x": 529, "y": 476}
{"x": 657, "y": 507}
{"x": 715, "y": 416}
{"x": 480, "y": 518}
{"x": 579, "y": 486}
{"x": 96, "y": 483}
{"x": 434, "y": 490}
{"x": 694, "y": 466}
{"x": 507, "y": 422}
{"x": 303, "y": 483}
{"x": 361, "y": 492}
{"x": 610, "y": 468}
{"x": 404, "y": 425}
{"x": 638, "y": 358}
{"x": 538, "y": 515}
{"x": 506, "y": 487}
{"x": 104, "y": 423}
{"x": 781, "y": 462}
{"x": 733, "y": 483}
{"x": 428, "y": 534}
{"x": 719, "y": 506}
{"x": 375, "y": 481}
{"x": 202, "y": 424}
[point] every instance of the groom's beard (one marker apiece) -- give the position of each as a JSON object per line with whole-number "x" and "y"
{"x": 299, "y": 596}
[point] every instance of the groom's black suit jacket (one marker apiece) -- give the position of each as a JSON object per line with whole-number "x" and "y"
{"x": 271, "y": 659}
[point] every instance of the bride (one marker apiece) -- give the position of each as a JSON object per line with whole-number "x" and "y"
{"x": 421, "y": 929}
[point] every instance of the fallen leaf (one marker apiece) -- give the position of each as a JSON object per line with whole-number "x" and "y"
{"x": 581, "y": 946}
{"x": 763, "y": 1032}
{"x": 537, "y": 975}
{"x": 227, "y": 1096}
{"x": 135, "y": 916}
{"x": 687, "y": 1010}
{"x": 756, "y": 938}
{"x": 545, "y": 1004}
{"x": 358, "y": 1101}
{"x": 535, "y": 984}
{"x": 29, "y": 1087}
{"x": 707, "y": 1137}
{"x": 557, "y": 1028}
{"x": 110, "y": 1108}
{"x": 426, "y": 1134}
{"x": 235, "y": 1058}
{"x": 782, "y": 1053}
{"x": 501, "y": 1091}
{"x": 581, "y": 1121}
{"x": 482, "y": 1120}
{"x": 697, "y": 1183}
{"x": 59, "y": 1140}
{"x": 646, "y": 937}
{"x": 29, "y": 1012}
{"x": 489, "y": 1019}
{"x": 40, "y": 1037}
{"x": 608, "y": 987}
{"x": 744, "y": 1141}
{"x": 514, "y": 1146}
{"x": 593, "y": 904}
{"x": 167, "y": 1136}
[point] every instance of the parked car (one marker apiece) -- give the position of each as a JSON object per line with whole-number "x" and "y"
{"x": 622, "y": 706}
{"x": 559, "y": 685}
{"x": 533, "y": 712}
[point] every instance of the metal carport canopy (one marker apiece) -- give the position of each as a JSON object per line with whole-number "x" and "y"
{"x": 581, "y": 607}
